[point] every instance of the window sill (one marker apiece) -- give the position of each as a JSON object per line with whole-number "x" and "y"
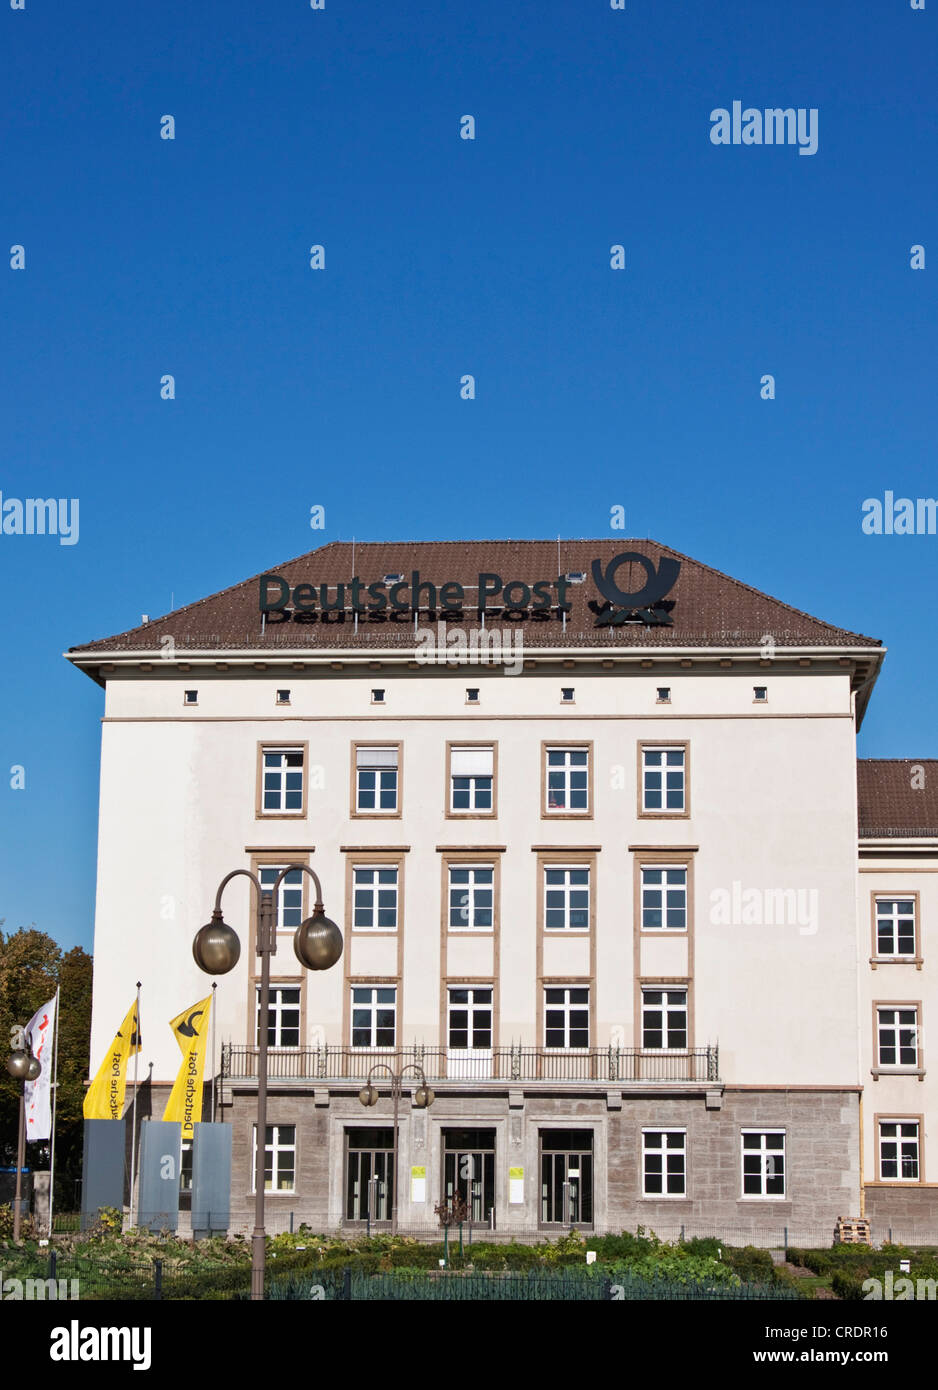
{"x": 917, "y": 961}
{"x": 878, "y": 1072}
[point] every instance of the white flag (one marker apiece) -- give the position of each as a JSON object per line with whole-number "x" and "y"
{"x": 38, "y": 1094}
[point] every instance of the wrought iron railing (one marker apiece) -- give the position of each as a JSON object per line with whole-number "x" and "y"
{"x": 517, "y": 1063}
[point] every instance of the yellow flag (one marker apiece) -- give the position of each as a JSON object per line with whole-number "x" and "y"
{"x": 104, "y": 1099}
{"x": 185, "y": 1099}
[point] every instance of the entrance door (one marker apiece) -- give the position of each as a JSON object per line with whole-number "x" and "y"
{"x": 469, "y": 1169}
{"x": 369, "y": 1175}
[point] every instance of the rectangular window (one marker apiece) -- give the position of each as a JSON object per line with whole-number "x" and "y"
{"x": 279, "y": 1158}
{"x": 471, "y": 897}
{"x": 289, "y": 904}
{"x": 283, "y": 697}
{"x": 470, "y": 1016}
{"x": 898, "y": 1150}
{"x": 375, "y": 898}
{"x": 760, "y": 694}
{"x": 191, "y": 697}
{"x": 897, "y": 1036}
{"x": 567, "y": 780}
{"x": 376, "y": 781}
{"x": 664, "y": 897}
{"x": 374, "y": 1015}
{"x": 566, "y": 695}
{"x": 664, "y": 694}
{"x": 895, "y": 927}
{"x": 763, "y": 1162}
{"x": 566, "y": 1177}
{"x": 664, "y": 1019}
{"x": 471, "y": 780}
{"x": 566, "y": 899}
{"x": 369, "y": 1176}
{"x": 566, "y": 1016}
{"x": 283, "y": 1016}
{"x": 664, "y": 1162}
{"x": 663, "y": 780}
{"x": 283, "y": 781}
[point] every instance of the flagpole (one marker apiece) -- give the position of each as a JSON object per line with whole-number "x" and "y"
{"x": 55, "y": 1096}
{"x": 214, "y": 1011}
{"x": 133, "y": 1122}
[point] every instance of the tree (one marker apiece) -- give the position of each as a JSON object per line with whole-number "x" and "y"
{"x": 31, "y": 966}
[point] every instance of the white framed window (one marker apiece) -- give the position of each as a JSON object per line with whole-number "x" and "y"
{"x": 375, "y": 900}
{"x": 664, "y": 694}
{"x": 760, "y": 694}
{"x": 469, "y": 1016}
{"x": 763, "y": 1156}
{"x": 895, "y": 927}
{"x": 897, "y": 1035}
{"x": 472, "y": 695}
{"x": 377, "y": 695}
{"x": 663, "y": 779}
{"x": 283, "y": 697}
{"x": 279, "y": 1158}
{"x": 283, "y": 1016}
{"x": 567, "y": 780}
{"x": 283, "y": 781}
{"x": 664, "y": 897}
{"x": 899, "y": 1158}
{"x": 376, "y": 780}
{"x": 664, "y": 1020}
{"x": 566, "y": 898}
{"x": 374, "y": 1015}
{"x": 471, "y": 897}
{"x": 191, "y": 697}
{"x": 566, "y": 1016}
{"x": 567, "y": 693}
{"x": 289, "y": 904}
{"x": 471, "y": 779}
{"x": 664, "y": 1162}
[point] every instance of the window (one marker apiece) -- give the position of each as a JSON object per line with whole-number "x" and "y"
{"x": 191, "y": 697}
{"x": 567, "y": 1016}
{"x": 375, "y": 898}
{"x": 471, "y": 780}
{"x": 663, "y": 781}
{"x": 763, "y": 1163}
{"x": 472, "y": 695}
{"x": 471, "y": 897}
{"x": 898, "y": 1151}
{"x": 664, "y": 1019}
{"x": 566, "y": 899}
{"x": 566, "y": 694}
{"x": 289, "y": 905}
{"x": 283, "y": 697}
{"x": 376, "y": 781}
{"x": 567, "y": 780}
{"x": 369, "y": 1174}
{"x": 664, "y": 694}
{"x": 760, "y": 694}
{"x": 279, "y": 1158}
{"x": 470, "y": 1016}
{"x": 895, "y": 927}
{"x": 664, "y": 1162}
{"x": 664, "y": 897}
{"x": 374, "y": 1015}
{"x": 283, "y": 1016}
{"x": 377, "y": 696}
{"x": 897, "y": 1036}
{"x": 283, "y": 781}
{"x": 567, "y": 1177}
{"x": 185, "y": 1166}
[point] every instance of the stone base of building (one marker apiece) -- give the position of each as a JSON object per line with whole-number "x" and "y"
{"x": 903, "y": 1214}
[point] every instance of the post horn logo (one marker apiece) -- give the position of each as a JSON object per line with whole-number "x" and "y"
{"x": 645, "y": 605}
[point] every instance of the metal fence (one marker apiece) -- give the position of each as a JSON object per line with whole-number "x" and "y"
{"x": 616, "y": 1064}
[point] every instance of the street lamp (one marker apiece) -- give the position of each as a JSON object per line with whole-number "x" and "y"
{"x": 216, "y": 948}
{"x": 22, "y": 1066}
{"x": 423, "y": 1099}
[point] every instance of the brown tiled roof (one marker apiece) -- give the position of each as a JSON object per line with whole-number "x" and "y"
{"x": 897, "y": 797}
{"x": 710, "y": 608}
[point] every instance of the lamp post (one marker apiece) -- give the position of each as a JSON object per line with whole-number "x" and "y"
{"x": 216, "y": 948}
{"x": 22, "y": 1066}
{"x": 423, "y": 1099}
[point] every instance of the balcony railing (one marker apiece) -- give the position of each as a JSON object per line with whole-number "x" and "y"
{"x": 610, "y": 1064}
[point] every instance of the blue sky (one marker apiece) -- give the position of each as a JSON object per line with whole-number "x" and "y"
{"x": 446, "y": 256}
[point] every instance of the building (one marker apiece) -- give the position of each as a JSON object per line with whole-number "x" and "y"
{"x": 598, "y": 862}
